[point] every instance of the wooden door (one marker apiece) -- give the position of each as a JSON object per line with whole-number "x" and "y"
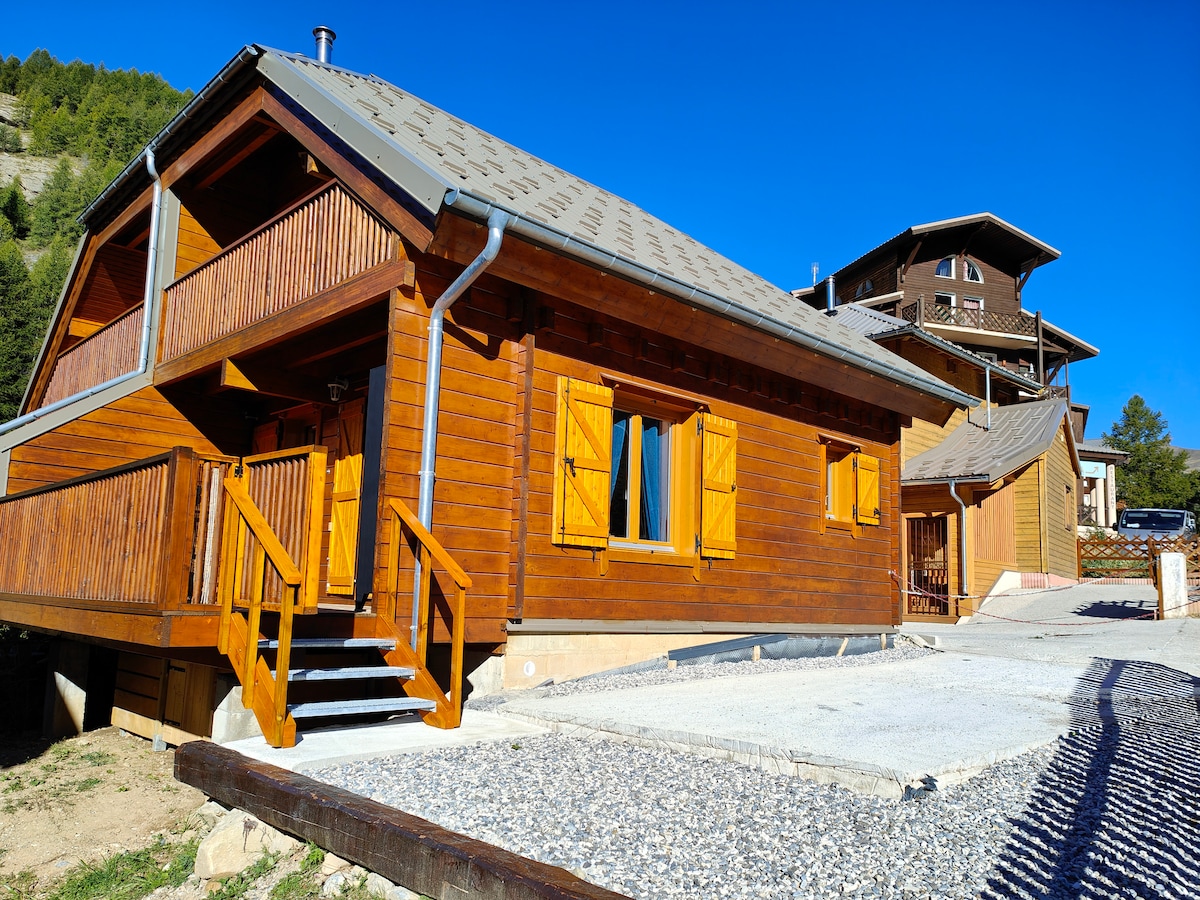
{"x": 347, "y": 496}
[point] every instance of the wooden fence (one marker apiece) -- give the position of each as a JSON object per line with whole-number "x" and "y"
{"x": 323, "y": 241}
{"x": 1123, "y": 557}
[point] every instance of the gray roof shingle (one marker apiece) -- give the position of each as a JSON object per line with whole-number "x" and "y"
{"x": 1019, "y": 435}
{"x": 463, "y": 157}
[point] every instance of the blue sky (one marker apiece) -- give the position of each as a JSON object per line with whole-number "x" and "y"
{"x": 783, "y": 134}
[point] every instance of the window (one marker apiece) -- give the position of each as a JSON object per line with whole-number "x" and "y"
{"x": 863, "y": 289}
{"x": 972, "y": 272}
{"x": 630, "y": 469}
{"x": 972, "y": 303}
{"x": 945, "y": 269}
{"x": 640, "y": 479}
{"x": 943, "y": 299}
{"x": 851, "y": 485}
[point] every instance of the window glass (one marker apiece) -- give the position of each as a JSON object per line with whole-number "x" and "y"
{"x": 972, "y": 272}
{"x": 945, "y": 269}
{"x": 640, "y": 486}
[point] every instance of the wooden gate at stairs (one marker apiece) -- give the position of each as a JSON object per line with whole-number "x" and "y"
{"x": 271, "y": 539}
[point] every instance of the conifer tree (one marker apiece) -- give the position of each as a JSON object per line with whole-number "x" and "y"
{"x": 1155, "y": 476}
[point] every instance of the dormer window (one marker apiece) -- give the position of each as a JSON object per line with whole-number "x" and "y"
{"x": 972, "y": 272}
{"x": 863, "y": 289}
{"x": 945, "y": 269}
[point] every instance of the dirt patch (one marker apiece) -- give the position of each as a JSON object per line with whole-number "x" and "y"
{"x": 85, "y": 798}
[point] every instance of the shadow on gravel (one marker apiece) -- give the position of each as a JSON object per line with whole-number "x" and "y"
{"x": 1118, "y": 812}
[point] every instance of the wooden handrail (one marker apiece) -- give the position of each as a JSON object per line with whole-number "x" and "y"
{"x": 237, "y": 637}
{"x": 257, "y": 523}
{"x": 427, "y": 549}
{"x": 422, "y": 534}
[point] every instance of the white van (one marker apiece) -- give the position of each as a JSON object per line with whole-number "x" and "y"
{"x": 1157, "y": 523}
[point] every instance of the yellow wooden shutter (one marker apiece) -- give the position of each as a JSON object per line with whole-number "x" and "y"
{"x": 866, "y": 472}
{"x": 347, "y": 490}
{"x": 582, "y": 463}
{"x": 718, "y": 488}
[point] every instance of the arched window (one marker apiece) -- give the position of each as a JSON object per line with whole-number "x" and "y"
{"x": 972, "y": 272}
{"x": 863, "y": 289}
{"x": 945, "y": 269}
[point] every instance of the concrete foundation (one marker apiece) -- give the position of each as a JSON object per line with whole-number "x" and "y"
{"x": 66, "y": 690}
{"x": 533, "y": 659}
{"x": 231, "y": 721}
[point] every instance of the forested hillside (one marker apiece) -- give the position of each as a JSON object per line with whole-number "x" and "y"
{"x": 95, "y": 120}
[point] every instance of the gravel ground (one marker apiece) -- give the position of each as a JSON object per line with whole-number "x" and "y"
{"x": 1111, "y": 811}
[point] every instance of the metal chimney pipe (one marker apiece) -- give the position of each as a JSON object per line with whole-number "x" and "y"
{"x": 830, "y": 297}
{"x": 325, "y": 37}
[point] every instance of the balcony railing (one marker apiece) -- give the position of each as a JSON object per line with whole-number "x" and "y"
{"x": 136, "y": 534}
{"x": 111, "y": 351}
{"x": 316, "y": 245}
{"x": 924, "y": 313}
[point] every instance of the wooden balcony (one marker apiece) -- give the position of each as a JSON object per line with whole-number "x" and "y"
{"x": 937, "y": 316}
{"x": 111, "y": 351}
{"x": 327, "y": 240}
{"x": 119, "y": 553}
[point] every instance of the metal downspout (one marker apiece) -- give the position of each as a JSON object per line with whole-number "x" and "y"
{"x": 962, "y": 539}
{"x": 147, "y": 315}
{"x": 497, "y": 221}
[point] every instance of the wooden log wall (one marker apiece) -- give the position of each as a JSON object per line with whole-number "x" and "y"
{"x": 111, "y": 351}
{"x": 994, "y": 515}
{"x": 472, "y": 514}
{"x": 1062, "y": 510}
{"x": 1030, "y": 510}
{"x": 132, "y": 428}
{"x": 194, "y": 246}
{"x": 325, "y": 240}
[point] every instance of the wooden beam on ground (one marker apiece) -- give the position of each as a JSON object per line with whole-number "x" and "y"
{"x": 412, "y": 852}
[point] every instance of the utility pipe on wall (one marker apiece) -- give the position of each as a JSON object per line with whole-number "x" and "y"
{"x": 148, "y": 307}
{"x": 962, "y": 539}
{"x": 497, "y": 222}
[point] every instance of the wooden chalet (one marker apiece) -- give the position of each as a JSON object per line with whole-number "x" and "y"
{"x": 993, "y": 492}
{"x": 345, "y": 397}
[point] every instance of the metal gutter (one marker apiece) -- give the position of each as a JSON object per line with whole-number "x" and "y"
{"x": 497, "y": 221}
{"x": 480, "y": 209}
{"x": 148, "y": 310}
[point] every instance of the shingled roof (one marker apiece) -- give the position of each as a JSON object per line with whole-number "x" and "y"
{"x": 1018, "y": 435}
{"x": 437, "y": 159}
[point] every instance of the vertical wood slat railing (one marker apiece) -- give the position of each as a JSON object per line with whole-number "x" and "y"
{"x": 408, "y": 530}
{"x": 269, "y": 563}
{"x": 322, "y": 241}
{"x": 109, "y": 352}
{"x": 125, "y": 536}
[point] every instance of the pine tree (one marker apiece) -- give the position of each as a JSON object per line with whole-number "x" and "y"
{"x": 14, "y": 354}
{"x": 1155, "y": 475}
{"x": 15, "y": 208}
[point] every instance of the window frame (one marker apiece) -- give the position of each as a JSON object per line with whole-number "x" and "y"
{"x": 678, "y": 453}
{"x": 939, "y": 295}
{"x": 846, "y": 517}
{"x": 949, "y": 259}
{"x": 970, "y": 266}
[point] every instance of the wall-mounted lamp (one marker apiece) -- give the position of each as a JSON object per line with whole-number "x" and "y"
{"x": 336, "y": 388}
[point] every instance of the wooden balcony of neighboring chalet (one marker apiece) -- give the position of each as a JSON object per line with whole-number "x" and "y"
{"x": 134, "y": 553}
{"x": 974, "y": 326}
{"x": 326, "y": 256}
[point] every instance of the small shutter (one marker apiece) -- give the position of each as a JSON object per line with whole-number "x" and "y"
{"x": 718, "y": 493}
{"x": 347, "y": 490}
{"x": 866, "y": 476}
{"x": 582, "y": 463}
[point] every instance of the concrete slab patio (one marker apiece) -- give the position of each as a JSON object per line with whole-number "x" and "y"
{"x": 1005, "y": 682}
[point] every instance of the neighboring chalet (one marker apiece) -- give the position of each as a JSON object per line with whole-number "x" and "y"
{"x": 985, "y": 492}
{"x": 1098, "y": 484}
{"x": 312, "y": 298}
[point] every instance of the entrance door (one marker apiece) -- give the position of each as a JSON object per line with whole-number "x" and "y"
{"x": 928, "y": 571}
{"x": 347, "y": 494}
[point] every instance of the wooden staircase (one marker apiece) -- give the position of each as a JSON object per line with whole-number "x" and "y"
{"x": 262, "y": 588}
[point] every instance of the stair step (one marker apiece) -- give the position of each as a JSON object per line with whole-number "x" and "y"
{"x": 333, "y": 644}
{"x": 357, "y": 707}
{"x": 346, "y": 673}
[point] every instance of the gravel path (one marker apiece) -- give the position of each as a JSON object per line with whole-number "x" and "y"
{"x": 1112, "y": 811}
